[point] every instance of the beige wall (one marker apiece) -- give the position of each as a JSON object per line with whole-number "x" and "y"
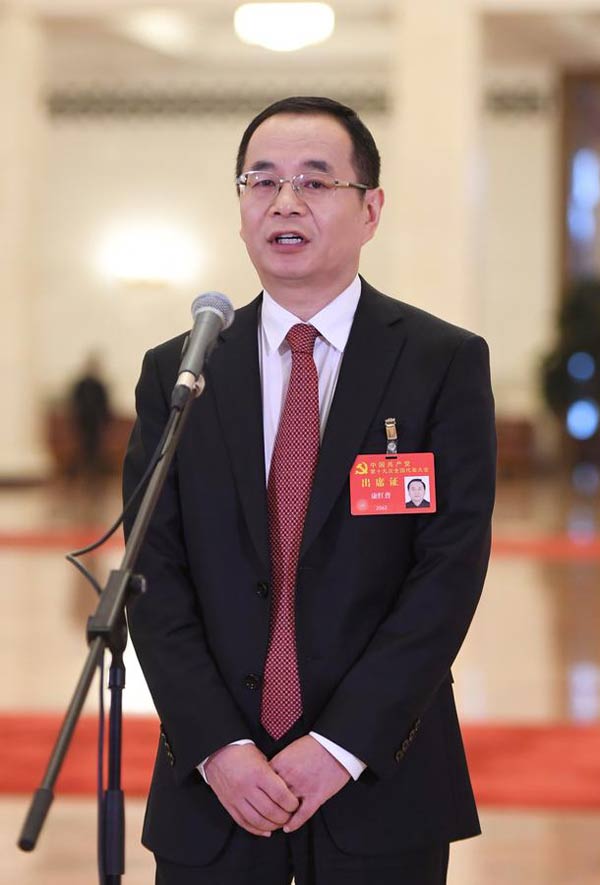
{"x": 103, "y": 172}
{"x": 107, "y": 172}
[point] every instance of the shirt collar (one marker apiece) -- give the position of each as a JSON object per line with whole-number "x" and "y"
{"x": 334, "y": 321}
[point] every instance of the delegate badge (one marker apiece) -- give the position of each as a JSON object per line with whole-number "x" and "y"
{"x": 386, "y": 484}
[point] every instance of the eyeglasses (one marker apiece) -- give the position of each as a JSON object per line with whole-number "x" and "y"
{"x": 309, "y": 186}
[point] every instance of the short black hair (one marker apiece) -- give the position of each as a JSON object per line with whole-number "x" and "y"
{"x": 365, "y": 156}
{"x": 416, "y": 479}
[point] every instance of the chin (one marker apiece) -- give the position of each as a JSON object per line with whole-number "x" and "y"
{"x": 283, "y": 274}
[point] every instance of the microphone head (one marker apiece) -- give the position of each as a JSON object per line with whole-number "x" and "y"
{"x": 217, "y": 303}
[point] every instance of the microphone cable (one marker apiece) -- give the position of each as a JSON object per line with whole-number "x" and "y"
{"x": 73, "y": 556}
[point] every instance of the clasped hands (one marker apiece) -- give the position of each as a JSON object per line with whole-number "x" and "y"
{"x": 262, "y": 796}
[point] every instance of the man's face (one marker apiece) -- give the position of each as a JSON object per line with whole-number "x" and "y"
{"x": 416, "y": 491}
{"x": 329, "y": 234}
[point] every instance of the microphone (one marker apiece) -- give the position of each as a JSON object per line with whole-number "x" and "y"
{"x": 212, "y": 313}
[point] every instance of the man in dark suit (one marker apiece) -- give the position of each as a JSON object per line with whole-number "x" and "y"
{"x": 299, "y": 656}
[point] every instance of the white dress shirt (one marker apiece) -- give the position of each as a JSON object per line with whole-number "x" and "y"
{"x": 333, "y": 323}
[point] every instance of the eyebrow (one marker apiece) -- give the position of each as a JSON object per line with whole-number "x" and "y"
{"x": 262, "y": 164}
{"x": 321, "y": 165}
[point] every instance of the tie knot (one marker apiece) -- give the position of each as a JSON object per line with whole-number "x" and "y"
{"x": 301, "y": 338}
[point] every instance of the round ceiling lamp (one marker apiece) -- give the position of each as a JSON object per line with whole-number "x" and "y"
{"x": 284, "y": 27}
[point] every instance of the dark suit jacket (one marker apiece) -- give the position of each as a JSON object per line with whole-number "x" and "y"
{"x": 424, "y": 503}
{"x": 383, "y": 603}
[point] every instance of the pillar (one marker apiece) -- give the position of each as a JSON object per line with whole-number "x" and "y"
{"x": 21, "y": 452}
{"x": 436, "y": 190}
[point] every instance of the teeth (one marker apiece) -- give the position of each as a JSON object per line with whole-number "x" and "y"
{"x": 289, "y": 238}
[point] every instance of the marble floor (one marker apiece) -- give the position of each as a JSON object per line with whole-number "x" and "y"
{"x": 533, "y": 655}
{"x": 517, "y": 848}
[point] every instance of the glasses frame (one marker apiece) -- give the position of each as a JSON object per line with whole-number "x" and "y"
{"x": 241, "y": 182}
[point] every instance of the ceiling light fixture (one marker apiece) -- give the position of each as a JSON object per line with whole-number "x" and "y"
{"x": 162, "y": 29}
{"x": 284, "y": 27}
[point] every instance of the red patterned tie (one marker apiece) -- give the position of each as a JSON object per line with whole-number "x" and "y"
{"x": 290, "y": 479}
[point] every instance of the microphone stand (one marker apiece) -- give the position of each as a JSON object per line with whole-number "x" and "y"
{"x": 107, "y": 629}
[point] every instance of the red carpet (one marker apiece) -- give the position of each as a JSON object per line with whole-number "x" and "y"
{"x": 60, "y": 540}
{"x": 553, "y": 547}
{"x": 518, "y": 766}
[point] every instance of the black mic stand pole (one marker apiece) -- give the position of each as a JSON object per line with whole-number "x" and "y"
{"x": 107, "y": 629}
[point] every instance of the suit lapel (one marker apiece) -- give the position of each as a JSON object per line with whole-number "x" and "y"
{"x": 374, "y": 345}
{"x": 235, "y": 379}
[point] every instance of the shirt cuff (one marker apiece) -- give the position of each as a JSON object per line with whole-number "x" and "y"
{"x": 232, "y": 744}
{"x": 353, "y": 765}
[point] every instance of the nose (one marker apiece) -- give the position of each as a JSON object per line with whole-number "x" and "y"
{"x": 287, "y": 201}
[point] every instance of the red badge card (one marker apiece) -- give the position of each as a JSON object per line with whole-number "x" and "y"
{"x": 385, "y": 484}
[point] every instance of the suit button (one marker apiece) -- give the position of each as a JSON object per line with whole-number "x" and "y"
{"x": 262, "y": 589}
{"x": 252, "y": 682}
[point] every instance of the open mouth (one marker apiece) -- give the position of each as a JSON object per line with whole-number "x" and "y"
{"x": 288, "y": 239}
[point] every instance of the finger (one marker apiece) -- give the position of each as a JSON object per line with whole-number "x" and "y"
{"x": 276, "y": 789}
{"x": 254, "y": 818}
{"x": 273, "y": 812}
{"x": 297, "y": 820}
{"x": 245, "y": 825}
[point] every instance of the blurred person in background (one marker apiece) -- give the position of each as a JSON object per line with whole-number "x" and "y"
{"x": 90, "y": 414}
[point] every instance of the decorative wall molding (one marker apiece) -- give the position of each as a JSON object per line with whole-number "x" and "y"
{"x": 147, "y": 103}
{"x": 140, "y": 103}
{"x": 521, "y": 101}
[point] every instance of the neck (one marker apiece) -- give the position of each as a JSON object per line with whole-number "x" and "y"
{"x": 305, "y": 303}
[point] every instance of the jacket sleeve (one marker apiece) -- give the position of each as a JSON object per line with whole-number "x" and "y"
{"x": 376, "y": 709}
{"x": 198, "y": 714}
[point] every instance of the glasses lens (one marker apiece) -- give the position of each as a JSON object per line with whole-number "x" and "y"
{"x": 313, "y": 185}
{"x": 261, "y": 184}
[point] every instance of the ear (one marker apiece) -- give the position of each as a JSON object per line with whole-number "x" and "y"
{"x": 372, "y": 206}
